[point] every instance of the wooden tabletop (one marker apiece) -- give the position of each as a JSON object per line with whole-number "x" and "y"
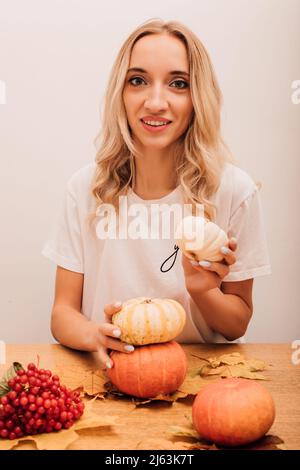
{"x": 148, "y": 426}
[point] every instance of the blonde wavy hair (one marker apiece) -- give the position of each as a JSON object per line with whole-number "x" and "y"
{"x": 200, "y": 153}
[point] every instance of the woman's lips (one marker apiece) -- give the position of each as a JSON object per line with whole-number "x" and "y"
{"x": 150, "y": 128}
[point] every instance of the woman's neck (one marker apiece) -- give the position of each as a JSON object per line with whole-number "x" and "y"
{"x": 155, "y": 175}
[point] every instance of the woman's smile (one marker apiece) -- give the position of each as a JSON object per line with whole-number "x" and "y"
{"x": 156, "y": 127}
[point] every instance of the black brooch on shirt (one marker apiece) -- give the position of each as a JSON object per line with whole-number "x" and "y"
{"x": 163, "y": 268}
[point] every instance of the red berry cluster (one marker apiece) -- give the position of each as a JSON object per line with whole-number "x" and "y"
{"x": 37, "y": 403}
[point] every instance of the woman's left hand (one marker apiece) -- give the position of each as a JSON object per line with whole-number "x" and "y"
{"x": 203, "y": 278}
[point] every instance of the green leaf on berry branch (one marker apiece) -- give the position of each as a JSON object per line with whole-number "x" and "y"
{"x": 9, "y": 374}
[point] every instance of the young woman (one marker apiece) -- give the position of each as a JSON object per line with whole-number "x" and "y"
{"x": 160, "y": 145}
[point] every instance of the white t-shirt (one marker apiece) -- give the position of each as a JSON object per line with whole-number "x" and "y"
{"x": 121, "y": 269}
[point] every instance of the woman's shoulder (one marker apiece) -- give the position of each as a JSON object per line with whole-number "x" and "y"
{"x": 236, "y": 185}
{"x": 80, "y": 181}
{"x": 237, "y": 182}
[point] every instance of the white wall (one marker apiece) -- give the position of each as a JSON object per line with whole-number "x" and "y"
{"x": 55, "y": 57}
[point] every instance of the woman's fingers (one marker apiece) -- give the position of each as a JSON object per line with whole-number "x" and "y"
{"x": 107, "y": 333}
{"x": 229, "y": 258}
{"x": 108, "y": 329}
{"x": 107, "y": 343}
{"x": 228, "y": 251}
{"x": 111, "y": 309}
{"x": 104, "y": 358}
{"x": 232, "y": 243}
{"x": 228, "y": 255}
{"x": 219, "y": 268}
{"x": 115, "y": 344}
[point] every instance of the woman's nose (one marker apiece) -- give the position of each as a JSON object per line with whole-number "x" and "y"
{"x": 156, "y": 99}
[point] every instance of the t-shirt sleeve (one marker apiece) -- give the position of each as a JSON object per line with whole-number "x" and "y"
{"x": 247, "y": 225}
{"x": 64, "y": 246}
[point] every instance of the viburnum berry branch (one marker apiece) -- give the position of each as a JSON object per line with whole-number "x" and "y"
{"x": 33, "y": 401}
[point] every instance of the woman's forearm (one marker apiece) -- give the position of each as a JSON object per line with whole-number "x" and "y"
{"x": 71, "y": 328}
{"x": 227, "y": 314}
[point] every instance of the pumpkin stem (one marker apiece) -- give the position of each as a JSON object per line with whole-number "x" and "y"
{"x": 147, "y": 301}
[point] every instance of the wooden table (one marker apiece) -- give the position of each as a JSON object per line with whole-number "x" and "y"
{"x": 148, "y": 426}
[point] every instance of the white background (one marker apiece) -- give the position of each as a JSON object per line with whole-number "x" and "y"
{"x": 55, "y": 57}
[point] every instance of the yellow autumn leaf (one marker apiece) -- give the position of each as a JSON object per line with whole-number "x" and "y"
{"x": 94, "y": 384}
{"x": 73, "y": 378}
{"x": 256, "y": 365}
{"x": 232, "y": 359}
{"x": 54, "y": 441}
{"x": 214, "y": 362}
{"x": 161, "y": 444}
{"x": 162, "y": 397}
{"x": 242, "y": 371}
{"x": 267, "y": 442}
{"x": 184, "y": 431}
{"x": 207, "y": 370}
{"x": 233, "y": 365}
{"x": 192, "y": 384}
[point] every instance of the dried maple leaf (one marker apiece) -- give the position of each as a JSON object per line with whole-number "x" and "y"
{"x": 168, "y": 398}
{"x": 164, "y": 444}
{"x": 214, "y": 362}
{"x": 184, "y": 431}
{"x": 231, "y": 359}
{"x": 207, "y": 370}
{"x": 233, "y": 365}
{"x": 256, "y": 365}
{"x": 62, "y": 439}
{"x": 92, "y": 382}
{"x": 192, "y": 383}
{"x": 241, "y": 370}
{"x": 72, "y": 378}
{"x": 192, "y": 373}
{"x": 267, "y": 442}
{"x": 112, "y": 390}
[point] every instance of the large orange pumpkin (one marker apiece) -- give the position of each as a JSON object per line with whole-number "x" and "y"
{"x": 149, "y": 370}
{"x": 233, "y": 412}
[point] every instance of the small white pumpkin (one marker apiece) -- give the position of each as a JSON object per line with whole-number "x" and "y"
{"x": 200, "y": 239}
{"x": 145, "y": 321}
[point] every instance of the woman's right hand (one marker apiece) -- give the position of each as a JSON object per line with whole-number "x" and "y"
{"x": 107, "y": 334}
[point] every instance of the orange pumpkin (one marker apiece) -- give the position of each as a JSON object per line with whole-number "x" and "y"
{"x": 233, "y": 412}
{"x": 149, "y": 370}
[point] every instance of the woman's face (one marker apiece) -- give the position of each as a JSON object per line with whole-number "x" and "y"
{"x": 160, "y": 90}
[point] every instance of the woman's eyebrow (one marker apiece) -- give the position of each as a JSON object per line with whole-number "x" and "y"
{"x": 173, "y": 72}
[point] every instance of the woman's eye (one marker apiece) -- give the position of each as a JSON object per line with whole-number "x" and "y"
{"x": 182, "y": 82}
{"x": 134, "y": 78}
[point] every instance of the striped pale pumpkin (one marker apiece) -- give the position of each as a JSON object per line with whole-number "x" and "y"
{"x": 149, "y": 370}
{"x": 145, "y": 321}
{"x": 199, "y": 239}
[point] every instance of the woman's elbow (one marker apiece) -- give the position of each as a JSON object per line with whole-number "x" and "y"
{"x": 54, "y": 328}
{"x": 241, "y": 328}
